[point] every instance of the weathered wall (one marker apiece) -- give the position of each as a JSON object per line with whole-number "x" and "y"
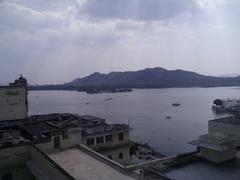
{"x": 13, "y": 156}
{"x": 115, "y": 141}
{"x": 48, "y": 166}
{"x": 225, "y": 128}
{"x": 13, "y": 103}
{"x": 48, "y": 147}
{"x": 115, "y": 154}
{"x": 218, "y": 157}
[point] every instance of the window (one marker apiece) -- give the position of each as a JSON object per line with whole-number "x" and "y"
{"x": 56, "y": 142}
{"x": 120, "y": 156}
{"x": 110, "y": 156}
{"x": 7, "y": 176}
{"x": 108, "y": 138}
{"x": 1, "y": 135}
{"x": 90, "y": 141}
{"x": 120, "y": 136}
{"x": 99, "y": 139}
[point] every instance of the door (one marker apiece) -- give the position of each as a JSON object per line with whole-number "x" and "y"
{"x": 56, "y": 142}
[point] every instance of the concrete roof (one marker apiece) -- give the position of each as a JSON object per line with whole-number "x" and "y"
{"x": 88, "y": 117}
{"x": 215, "y": 141}
{"x": 228, "y": 120}
{"x": 84, "y": 167}
{"x": 39, "y": 128}
{"x": 204, "y": 170}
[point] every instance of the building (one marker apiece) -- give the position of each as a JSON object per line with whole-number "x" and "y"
{"x": 67, "y": 146}
{"x": 71, "y": 147}
{"x": 216, "y": 157}
{"x": 40, "y": 146}
{"x": 13, "y": 100}
{"x": 111, "y": 140}
{"x": 216, "y": 147}
{"x": 42, "y": 149}
{"x": 228, "y": 125}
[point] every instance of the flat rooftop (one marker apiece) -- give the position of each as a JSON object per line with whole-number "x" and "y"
{"x": 63, "y": 120}
{"x": 229, "y": 120}
{"x": 215, "y": 141}
{"x": 88, "y": 117}
{"x": 84, "y": 167}
{"x": 106, "y": 128}
{"x": 205, "y": 170}
{"x": 39, "y": 129}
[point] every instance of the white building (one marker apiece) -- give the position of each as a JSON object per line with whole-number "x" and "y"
{"x": 228, "y": 125}
{"x": 216, "y": 147}
{"x": 222, "y": 141}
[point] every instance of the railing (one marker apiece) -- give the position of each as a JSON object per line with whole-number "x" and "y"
{"x": 152, "y": 162}
{"x": 119, "y": 167}
{"x": 48, "y": 166}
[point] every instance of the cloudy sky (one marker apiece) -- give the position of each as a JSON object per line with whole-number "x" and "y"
{"x": 55, "y": 41}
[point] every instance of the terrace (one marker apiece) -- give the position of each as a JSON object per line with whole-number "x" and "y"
{"x": 229, "y": 120}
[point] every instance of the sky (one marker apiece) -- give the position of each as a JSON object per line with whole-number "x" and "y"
{"x": 56, "y": 41}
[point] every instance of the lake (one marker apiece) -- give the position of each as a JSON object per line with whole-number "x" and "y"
{"x": 145, "y": 110}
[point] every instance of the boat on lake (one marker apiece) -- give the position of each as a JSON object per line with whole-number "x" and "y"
{"x": 176, "y": 104}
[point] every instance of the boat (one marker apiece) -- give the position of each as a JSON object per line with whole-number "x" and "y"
{"x": 176, "y": 104}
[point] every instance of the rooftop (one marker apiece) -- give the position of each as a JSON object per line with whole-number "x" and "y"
{"x": 230, "y": 119}
{"x": 204, "y": 170}
{"x": 62, "y": 120}
{"x": 89, "y": 168}
{"x": 39, "y": 129}
{"x": 105, "y": 128}
{"x": 215, "y": 141}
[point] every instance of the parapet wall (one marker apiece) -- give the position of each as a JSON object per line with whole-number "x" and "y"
{"x": 47, "y": 165}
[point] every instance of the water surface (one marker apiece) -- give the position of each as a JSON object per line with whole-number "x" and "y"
{"x": 145, "y": 110}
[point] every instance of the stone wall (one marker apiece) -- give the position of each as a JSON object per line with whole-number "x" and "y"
{"x": 13, "y": 103}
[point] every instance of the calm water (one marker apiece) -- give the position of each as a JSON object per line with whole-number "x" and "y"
{"x": 146, "y": 110}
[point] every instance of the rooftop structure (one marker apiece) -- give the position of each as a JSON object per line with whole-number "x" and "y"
{"x": 105, "y": 128}
{"x": 216, "y": 147}
{"x": 227, "y": 120}
{"x": 216, "y": 141}
{"x": 35, "y": 131}
{"x": 67, "y": 120}
{"x": 229, "y": 126}
{"x": 13, "y": 100}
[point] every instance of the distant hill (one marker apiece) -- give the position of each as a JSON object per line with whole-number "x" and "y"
{"x": 146, "y": 78}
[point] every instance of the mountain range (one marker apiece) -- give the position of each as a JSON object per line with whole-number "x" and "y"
{"x": 146, "y": 78}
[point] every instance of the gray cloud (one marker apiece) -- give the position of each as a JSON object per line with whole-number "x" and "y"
{"x": 56, "y": 41}
{"x": 136, "y": 9}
